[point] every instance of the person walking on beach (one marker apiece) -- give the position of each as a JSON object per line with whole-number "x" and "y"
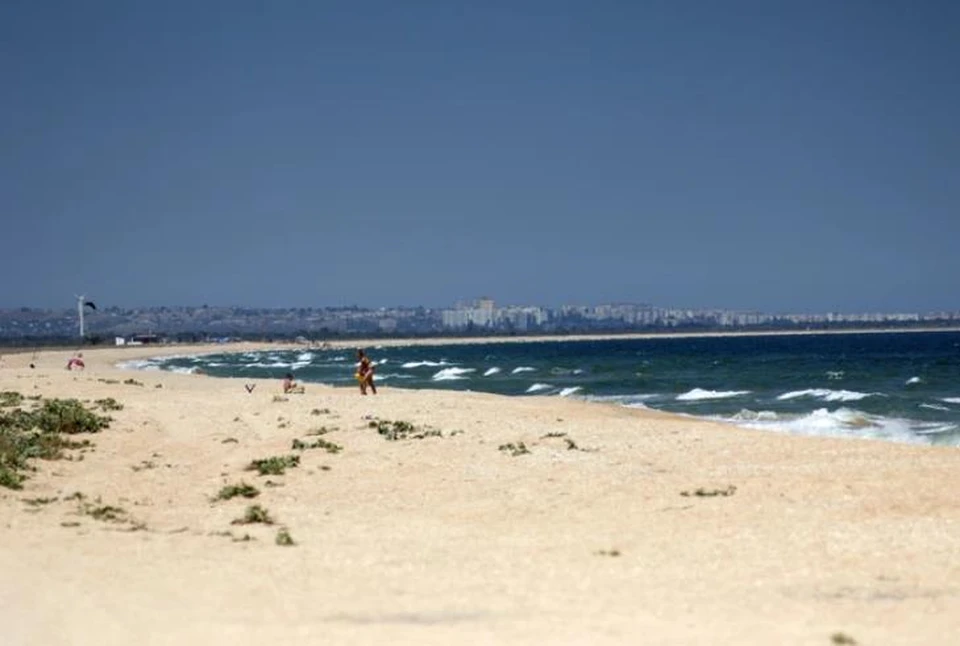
{"x": 365, "y": 373}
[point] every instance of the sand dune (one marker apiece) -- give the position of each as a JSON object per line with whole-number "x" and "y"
{"x": 615, "y": 526}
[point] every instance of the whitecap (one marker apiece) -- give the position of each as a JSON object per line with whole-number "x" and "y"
{"x": 825, "y": 394}
{"x": 951, "y": 400}
{"x": 636, "y": 400}
{"x": 913, "y": 380}
{"x": 491, "y": 371}
{"x": 418, "y": 364}
{"x": 535, "y": 388}
{"x": 305, "y": 356}
{"x": 522, "y": 369}
{"x": 851, "y": 423}
{"x": 566, "y": 392}
{"x": 448, "y": 374}
{"x": 698, "y": 394}
{"x": 934, "y": 407}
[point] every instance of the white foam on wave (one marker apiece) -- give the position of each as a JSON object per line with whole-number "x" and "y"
{"x": 698, "y": 394}
{"x": 140, "y": 364}
{"x": 935, "y": 407}
{"x": 305, "y": 356}
{"x": 913, "y": 380}
{"x": 826, "y": 395}
{"x": 491, "y": 371}
{"x": 522, "y": 369}
{"x": 184, "y": 371}
{"x": 448, "y": 374}
{"x": 566, "y": 392}
{"x": 951, "y": 400}
{"x": 394, "y": 375}
{"x": 747, "y": 415}
{"x": 636, "y": 400}
{"x": 849, "y": 423}
{"x": 535, "y": 388}
{"x": 419, "y": 364}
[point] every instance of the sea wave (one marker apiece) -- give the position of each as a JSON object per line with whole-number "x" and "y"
{"x": 450, "y": 374}
{"x": 535, "y": 388}
{"x": 934, "y": 407}
{"x": 491, "y": 371}
{"x": 852, "y": 423}
{"x": 419, "y": 364}
{"x": 913, "y": 380}
{"x": 826, "y": 395}
{"x": 698, "y": 394}
{"x": 636, "y": 400}
{"x": 522, "y": 369}
{"x": 951, "y": 400}
{"x": 566, "y": 392}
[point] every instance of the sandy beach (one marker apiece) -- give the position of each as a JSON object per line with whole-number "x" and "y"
{"x": 494, "y": 520}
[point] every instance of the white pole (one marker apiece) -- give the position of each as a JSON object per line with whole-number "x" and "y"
{"x": 80, "y": 303}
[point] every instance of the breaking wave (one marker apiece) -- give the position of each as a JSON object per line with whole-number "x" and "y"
{"x": 699, "y": 394}
{"x": 451, "y": 374}
{"x": 825, "y": 394}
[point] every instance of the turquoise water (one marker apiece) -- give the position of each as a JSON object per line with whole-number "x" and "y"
{"x": 893, "y": 386}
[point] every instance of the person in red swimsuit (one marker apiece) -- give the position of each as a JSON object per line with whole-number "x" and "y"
{"x": 365, "y": 373}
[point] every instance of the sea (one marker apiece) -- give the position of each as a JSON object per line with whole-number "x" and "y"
{"x": 897, "y": 386}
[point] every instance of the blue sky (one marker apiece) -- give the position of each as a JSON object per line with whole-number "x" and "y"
{"x": 773, "y": 155}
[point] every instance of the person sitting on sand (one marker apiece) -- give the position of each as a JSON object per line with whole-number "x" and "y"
{"x": 365, "y": 373}
{"x": 76, "y": 362}
{"x": 291, "y": 386}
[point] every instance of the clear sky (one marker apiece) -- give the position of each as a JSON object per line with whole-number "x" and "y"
{"x": 781, "y": 155}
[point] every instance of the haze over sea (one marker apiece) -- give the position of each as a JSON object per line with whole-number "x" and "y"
{"x": 892, "y": 386}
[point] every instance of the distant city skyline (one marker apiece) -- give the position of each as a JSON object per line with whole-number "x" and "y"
{"x": 745, "y": 155}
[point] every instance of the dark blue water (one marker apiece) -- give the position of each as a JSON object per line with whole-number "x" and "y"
{"x": 895, "y": 386}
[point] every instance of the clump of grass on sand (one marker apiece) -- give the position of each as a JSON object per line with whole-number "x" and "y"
{"x": 284, "y": 539}
{"x": 274, "y": 466}
{"x": 39, "y": 434}
{"x": 710, "y": 493}
{"x": 242, "y": 490}
{"x": 514, "y": 449}
{"x": 400, "y": 430}
{"x": 254, "y": 514}
{"x": 9, "y": 398}
{"x": 132, "y": 382}
{"x": 108, "y": 403}
{"x": 320, "y": 443}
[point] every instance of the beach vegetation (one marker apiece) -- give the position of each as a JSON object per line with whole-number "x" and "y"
{"x": 284, "y": 539}
{"x": 36, "y": 502}
{"x": 553, "y": 434}
{"x": 242, "y": 490}
{"x": 254, "y": 514}
{"x": 319, "y": 443}
{"x": 323, "y": 430}
{"x": 105, "y": 513}
{"x": 274, "y": 466}
{"x": 710, "y": 493}
{"x": 843, "y": 639}
{"x": 320, "y": 411}
{"x": 514, "y": 449}
{"x": 132, "y": 382}
{"x": 9, "y": 398}
{"x": 401, "y": 430}
{"x": 613, "y": 553}
{"x": 39, "y": 434}
{"x": 108, "y": 404}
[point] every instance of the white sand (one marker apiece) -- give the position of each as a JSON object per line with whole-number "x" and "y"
{"x": 453, "y": 541}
